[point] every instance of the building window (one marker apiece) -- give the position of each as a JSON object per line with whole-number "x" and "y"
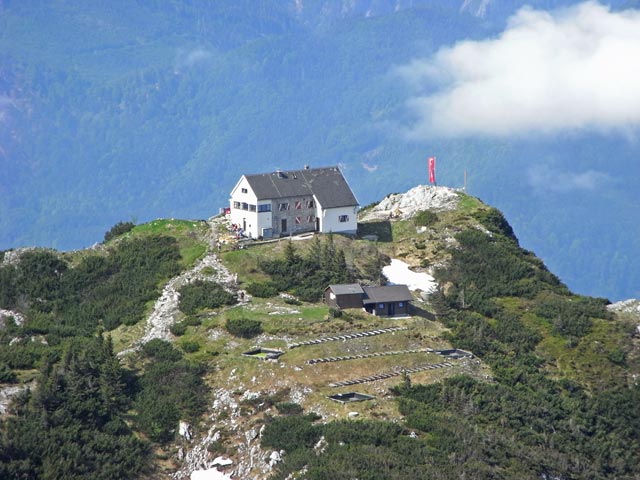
{"x": 311, "y": 204}
{"x": 236, "y": 204}
{"x": 252, "y": 208}
{"x": 380, "y": 306}
{"x": 298, "y": 220}
{"x": 311, "y": 218}
{"x": 244, "y": 190}
{"x": 245, "y": 206}
{"x": 283, "y": 206}
{"x": 343, "y": 218}
{"x": 400, "y": 304}
{"x": 264, "y": 208}
{"x": 298, "y": 205}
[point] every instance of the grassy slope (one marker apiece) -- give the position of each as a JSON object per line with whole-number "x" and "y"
{"x": 589, "y": 362}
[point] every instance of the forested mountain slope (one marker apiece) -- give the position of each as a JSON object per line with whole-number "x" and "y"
{"x": 551, "y": 390}
{"x": 154, "y": 109}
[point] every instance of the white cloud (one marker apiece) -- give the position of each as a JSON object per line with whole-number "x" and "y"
{"x": 566, "y": 70}
{"x": 369, "y": 168}
{"x": 546, "y": 179}
{"x": 189, "y": 58}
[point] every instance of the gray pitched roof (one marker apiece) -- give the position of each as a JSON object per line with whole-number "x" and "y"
{"x": 327, "y": 184}
{"x": 388, "y": 293}
{"x": 346, "y": 289}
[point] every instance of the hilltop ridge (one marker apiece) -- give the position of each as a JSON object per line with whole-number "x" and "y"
{"x": 495, "y": 352}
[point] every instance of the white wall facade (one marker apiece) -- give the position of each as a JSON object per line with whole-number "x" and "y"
{"x": 244, "y": 210}
{"x": 330, "y": 219}
{"x": 256, "y": 218}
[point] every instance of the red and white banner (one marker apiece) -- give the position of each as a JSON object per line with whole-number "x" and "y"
{"x": 432, "y": 169}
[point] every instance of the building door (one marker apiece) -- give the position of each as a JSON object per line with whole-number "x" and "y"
{"x": 244, "y": 225}
{"x": 317, "y": 224}
{"x": 392, "y": 309}
{"x": 283, "y": 225}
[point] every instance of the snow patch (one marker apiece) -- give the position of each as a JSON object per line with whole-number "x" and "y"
{"x": 222, "y": 461}
{"x": 398, "y": 273}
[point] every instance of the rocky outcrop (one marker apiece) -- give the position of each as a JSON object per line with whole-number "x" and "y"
{"x": 5, "y": 315}
{"x": 8, "y": 392}
{"x": 631, "y": 306}
{"x": 250, "y": 460}
{"x": 406, "y": 205}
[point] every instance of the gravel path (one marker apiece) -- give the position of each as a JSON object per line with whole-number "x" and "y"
{"x": 165, "y": 311}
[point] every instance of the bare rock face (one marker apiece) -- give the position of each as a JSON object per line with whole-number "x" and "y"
{"x": 7, "y": 393}
{"x": 12, "y": 257}
{"x": 5, "y": 315}
{"x": 184, "y": 430}
{"x": 406, "y": 205}
{"x": 631, "y": 306}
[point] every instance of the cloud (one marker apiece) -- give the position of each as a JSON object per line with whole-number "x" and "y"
{"x": 567, "y": 70}
{"x": 369, "y": 168}
{"x": 189, "y": 58}
{"x": 545, "y": 179}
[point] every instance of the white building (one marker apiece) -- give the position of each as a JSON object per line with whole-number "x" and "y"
{"x": 283, "y": 203}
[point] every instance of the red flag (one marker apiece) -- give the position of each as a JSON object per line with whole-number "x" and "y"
{"x": 432, "y": 169}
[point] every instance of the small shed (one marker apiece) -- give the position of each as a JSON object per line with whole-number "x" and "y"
{"x": 348, "y": 295}
{"x": 387, "y": 301}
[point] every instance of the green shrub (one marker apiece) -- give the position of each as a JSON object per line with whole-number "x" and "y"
{"x": 291, "y": 432}
{"x": 203, "y": 295}
{"x": 190, "y": 346}
{"x": 178, "y": 329}
{"x": 161, "y": 350}
{"x": 262, "y": 289}
{"x": 243, "y": 327}
{"x": 495, "y": 222}
{"x": 425, "y": 218}
{"x": 289, "y": 408}
{"x": 168, "y": 392}
{"x": 118, "y": 229}
{"x": 6, "y": 374}
{"x": 192, "y": 321}
{"x": 308, "y": 276}
{"x": 24, "y": 355}
{"x": 617, "y": 356}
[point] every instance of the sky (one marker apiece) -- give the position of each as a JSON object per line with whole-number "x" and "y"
{"x": 574, "y": 69}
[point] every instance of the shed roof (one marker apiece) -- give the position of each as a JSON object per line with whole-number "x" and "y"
{"x": 388, "y": 293}
{"x": 327, "y": 184}
{"x": 347, "y": 289}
